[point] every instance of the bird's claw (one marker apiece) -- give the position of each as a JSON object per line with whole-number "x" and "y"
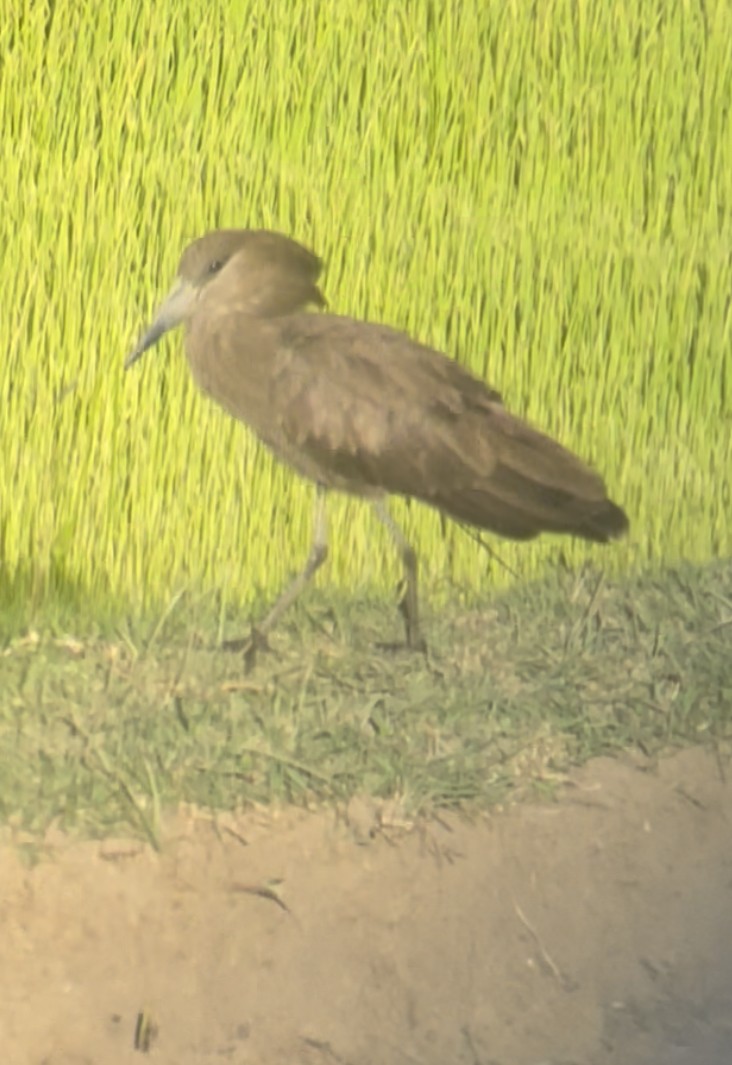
{"x": 417, "y": 643}
{"x": 396, "y": 647}
{"x": 248, "y": 647}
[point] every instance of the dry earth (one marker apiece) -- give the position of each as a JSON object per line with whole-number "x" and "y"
{"x": 596, "y": 930}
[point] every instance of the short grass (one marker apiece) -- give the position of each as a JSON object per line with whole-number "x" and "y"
{"x": 102, "y": 734}
{"x": 544, "y": 190}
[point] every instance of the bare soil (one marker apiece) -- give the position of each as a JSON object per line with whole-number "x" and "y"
{"x": 592, "y": 930}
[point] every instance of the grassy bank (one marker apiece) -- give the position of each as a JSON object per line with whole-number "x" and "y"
{"x": 101, "y": 734}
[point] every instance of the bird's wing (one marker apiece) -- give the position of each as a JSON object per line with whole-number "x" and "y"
{"x": 370, "y": 400}
{"x": 368, "y": 405}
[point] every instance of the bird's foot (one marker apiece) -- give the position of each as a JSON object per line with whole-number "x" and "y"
{"x": 415, "y": 643}
{"x": 248, "y": 647}
{"x": 397, "y": 646}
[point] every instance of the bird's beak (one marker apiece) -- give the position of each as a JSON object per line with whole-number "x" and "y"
{"x": 172, "y": 311}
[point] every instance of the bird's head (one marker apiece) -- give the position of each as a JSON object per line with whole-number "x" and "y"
{"x": 256, "y": 272}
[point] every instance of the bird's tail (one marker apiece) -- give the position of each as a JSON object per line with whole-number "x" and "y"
{"x": 521, "y": 508}
{"x": 522, "y": 483}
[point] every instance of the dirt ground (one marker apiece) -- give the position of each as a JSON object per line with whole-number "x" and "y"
{"x": 595, "y": 929}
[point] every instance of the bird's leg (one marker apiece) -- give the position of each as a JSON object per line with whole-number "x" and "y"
{"x": 316, "y": 558}
{"x": 409, "y": 605}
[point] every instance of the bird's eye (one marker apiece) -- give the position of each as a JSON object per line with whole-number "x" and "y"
{"x": 215, "y": 266}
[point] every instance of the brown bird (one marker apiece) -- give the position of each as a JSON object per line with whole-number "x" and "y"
{"x": 363, "y": 408}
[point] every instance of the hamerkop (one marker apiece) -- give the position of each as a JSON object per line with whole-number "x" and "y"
{"x": 363, "y": 408}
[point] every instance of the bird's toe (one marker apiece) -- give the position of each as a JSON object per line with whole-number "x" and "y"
{"x": 248, "y": 647}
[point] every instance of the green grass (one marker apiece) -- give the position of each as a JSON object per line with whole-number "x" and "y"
{"x": 543, "y": 190}
{"x": 101, "y": 735}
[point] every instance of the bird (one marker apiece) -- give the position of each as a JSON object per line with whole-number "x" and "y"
{"x": 362, "y": 408}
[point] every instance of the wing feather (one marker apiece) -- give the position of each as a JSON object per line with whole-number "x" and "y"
{"x": 369, "y": 406}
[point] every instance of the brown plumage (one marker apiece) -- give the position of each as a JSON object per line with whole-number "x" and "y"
{"x": 365, "y": 409}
